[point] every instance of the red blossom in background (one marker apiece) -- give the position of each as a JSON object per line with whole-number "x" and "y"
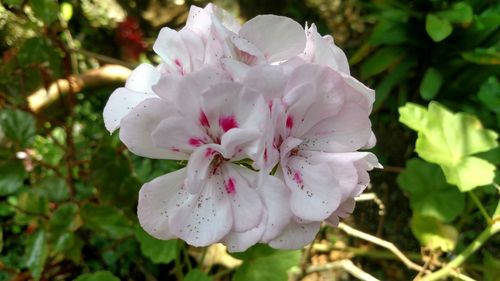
{"x": 129, "y": 35}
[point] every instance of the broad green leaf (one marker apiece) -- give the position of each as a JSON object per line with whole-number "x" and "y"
{"x": 388, "y": 32}
{"x": 18, "y": 126}
{"x": 70, "y": 245}
{"x": 491, "y": 267}
{"x": 55, "y": 187}
{"x": 33, "y": 201}
{"x": 12, "y": 2}
{"x": 263, "y": 263}
{"x": 158, "y": 251}
{"x": 97, "y": 276}
{"x": 437, "y": 28}
{"x": 460, "y": 12}
{"x": 450, "y": 140}
{"x": 413, "y": 116}
{"x": 46, "y": 10}
{"x": 428, "y": 190}
{"x": 490, "y": 56}
{"x": 434, "y": 234}
{"x": 36, "y": 253}
{"x": 12, "y": 175}
{"x": 449, "y": 137}
{"x": 470, "y": 173}
{"x": 106, "y": 219}
{"x": 380, "y": 61}
{"x": 64, "y": 219}
{"x": 106, "y": 166}
{"x": 489, "y": 94}
{"x": 431, "y": 83}
{"x": 197, "y": 275}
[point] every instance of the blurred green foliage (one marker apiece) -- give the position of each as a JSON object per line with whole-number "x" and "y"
{"x": 68, "y": 189}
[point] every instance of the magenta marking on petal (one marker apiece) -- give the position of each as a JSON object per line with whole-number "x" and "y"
{"x": 209, "y": 152}
{"x": 195, "y": 142}
{"x": 265, "y": 154}
{"x": 230, "y": 186}
{"x": 175, "y": 149}
{"x": 228, "y": 122}
{"x": 289, "y": 122}
{"x": 204, "y": 120}
{"x": 297, "y": 177}
{"x": 177, "y": 62}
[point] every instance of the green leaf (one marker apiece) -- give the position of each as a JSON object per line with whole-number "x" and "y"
{"x": 437, "y": 28}
{"x": 46, "y": 10}
{"x": 106, "y": 166}
{"x": 490, "y": 56}
{"x": 18, "y": 126}
{"x": 434, "y": 234}
{"x": 489, "y": 94}
{"x": 395, "y": 75}
{"x": 66, "y": 11}
{"x": 12, "y": 175}
{"x": 56, "y": 188}
{"x": 36, "y": 253}
{"x": 33, "y": 201}
{"x": 491, "y": 267}
{"x": 470, "y": 173}
{"x": 63, "y": 219}
{"x": 388, "y": 32}
{"x": 197, "y": 275}
{"x": 460, "y": 12}
{"x": 380, "y": 61}
{"x": 413, "y": 116}
{"x": 70, "y": 245}
{"x": 450, "y": 139}
{"x": 428, "y": 190}
{"x": 158, "y": 251}
{"x": 97, "y": 276}
{"x": 431, "y": 83}
{"x": 105, "y": 219}
{"x": 263, "y": 263}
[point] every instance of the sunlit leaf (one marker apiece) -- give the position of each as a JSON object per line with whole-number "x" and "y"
{"x": 428, "y": 190}
{"x": 483, "y": 56}
{"x": 413, "y": 116}
{"x": 434, "y": 234}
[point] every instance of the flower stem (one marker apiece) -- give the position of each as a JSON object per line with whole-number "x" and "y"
{"x": 178, "y": 257}
{"x": 480, "y": 207}
{"x": 491, "y": 230}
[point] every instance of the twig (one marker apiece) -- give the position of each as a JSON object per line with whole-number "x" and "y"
{"x": 375, "y": 198}
{"x": 393, "y": 169}
{"x": 103, "y": 58}
{"x": 383, "y": 243}
{"x": 480, "y": 207}
{"x": 346, "y": 265}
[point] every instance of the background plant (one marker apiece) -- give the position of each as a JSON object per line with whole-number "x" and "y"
{"x": 68, "y": 190}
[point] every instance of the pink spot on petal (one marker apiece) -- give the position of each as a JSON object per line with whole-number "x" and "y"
{"x": 195, "y": 142}
{"x": 230, "y": 186}
{"x": 289, "y": 122}
{"x": 265, "y": 154}
{"x": 204, "y": 120}
{"x": 228, "y": 122}
{"x": 297, "y": 177}
{"x": 177, "y": 62}
{"x": 175, "y": 149}
{"x": 209, "y": 152}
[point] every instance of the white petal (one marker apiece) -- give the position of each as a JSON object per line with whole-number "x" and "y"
{"x": 143, "y": 78}
{"x": 295, "y": 236}
{"x": 236, "y": 69}
{"x": 315, "y": 192}
{"x": 159, "y": 200}
{"x": 119, "y": 104}
{"x": 345, "y": 209}
{"x": 279, "y": 38}
{"x": 138, "y": 126}
{"x": 172, "y": 49}
{"x": 241, "y": 241}
{"x": 198, "y": 167}
{"x": 206, "y": 217}
{"x": 179, "y": 133}
{"x": 246, "y": 203}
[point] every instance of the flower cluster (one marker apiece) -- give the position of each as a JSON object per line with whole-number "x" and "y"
{"x": 269, "y": 119}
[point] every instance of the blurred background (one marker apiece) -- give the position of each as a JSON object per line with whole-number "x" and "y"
{"x": 68, "y": 189}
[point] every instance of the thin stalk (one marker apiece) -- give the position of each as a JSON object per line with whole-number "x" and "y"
{"x": 480, "y": 207}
